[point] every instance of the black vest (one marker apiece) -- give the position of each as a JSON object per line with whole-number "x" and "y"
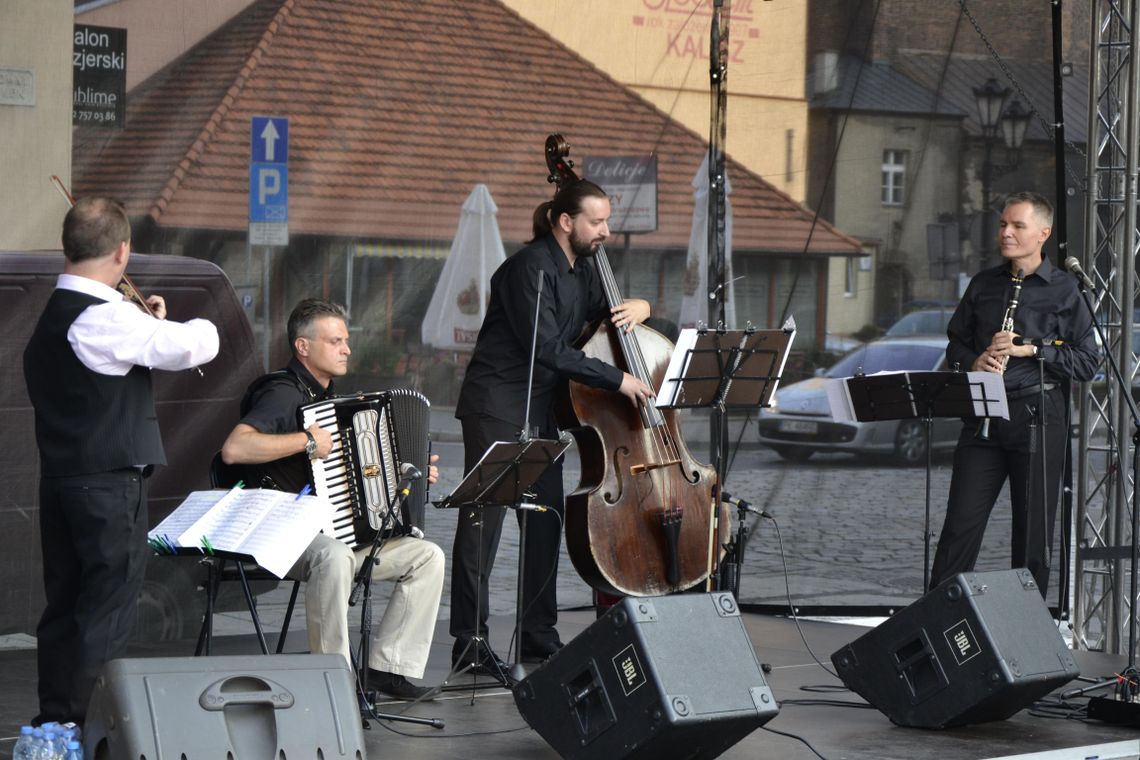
{"x": 85, "y": 422}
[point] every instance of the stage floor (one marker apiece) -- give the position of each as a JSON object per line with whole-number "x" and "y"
{"x": 486, "y": 724}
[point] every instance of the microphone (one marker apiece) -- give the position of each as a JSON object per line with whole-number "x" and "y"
{"x": 1074, "y": 266}
{"x": 1039, "y": 342}
{"x": 408, "y": 473}
{"x": 525, "y": 506}
{"x": 727, "y": 498}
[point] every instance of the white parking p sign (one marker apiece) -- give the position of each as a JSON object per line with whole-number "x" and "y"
{"x": 269, "y": 180}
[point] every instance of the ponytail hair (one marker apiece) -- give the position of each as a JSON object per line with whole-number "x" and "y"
{"x": 568, "y": 200}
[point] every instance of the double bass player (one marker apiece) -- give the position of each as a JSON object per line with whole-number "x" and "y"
{"x": 568, "y": 231}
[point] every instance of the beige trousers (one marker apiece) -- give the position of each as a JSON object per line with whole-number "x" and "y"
{"x": 400, "y": 642}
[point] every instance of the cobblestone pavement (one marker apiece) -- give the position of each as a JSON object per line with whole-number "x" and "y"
{"x": 850, "y": 530}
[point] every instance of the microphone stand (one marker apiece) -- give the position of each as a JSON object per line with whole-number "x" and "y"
{"x": 1037, "y": 445}
{"x": 363, "y": 581}
{"x": 517, "y": 671}
{"x": 1134, "y": 549}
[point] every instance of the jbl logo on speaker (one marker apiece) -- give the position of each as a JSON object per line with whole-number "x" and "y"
{"x": 630, "y": 673}
{"x": 963, "y": 643}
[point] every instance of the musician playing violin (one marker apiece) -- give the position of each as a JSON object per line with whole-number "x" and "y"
{"x": 1049, "y": 308}
{"x": 492, "y": 403}
{"x": 273, "y": 451}
{"x": 88, "y": 373}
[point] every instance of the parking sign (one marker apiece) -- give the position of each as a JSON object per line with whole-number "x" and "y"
{"x": 269, "y": 180}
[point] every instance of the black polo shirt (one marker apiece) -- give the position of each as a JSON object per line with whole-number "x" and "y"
{"x": 496, "y": 379}
{"x": 270, "y": 406}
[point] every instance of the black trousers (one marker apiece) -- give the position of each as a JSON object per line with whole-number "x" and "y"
{"x": 472, "y": 542}
{"x": 93, "y": 537}
{"x": 980, "y": 470}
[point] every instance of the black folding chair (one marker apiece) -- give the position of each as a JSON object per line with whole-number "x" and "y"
{"x": 220, "y": 569}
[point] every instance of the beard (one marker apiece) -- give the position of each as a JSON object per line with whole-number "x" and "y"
{"x": 582, "y": 249}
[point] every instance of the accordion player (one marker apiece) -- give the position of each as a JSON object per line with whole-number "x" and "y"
{"x": 375, "y": 435}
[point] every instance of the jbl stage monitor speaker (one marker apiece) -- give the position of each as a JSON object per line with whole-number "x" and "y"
{"x": 979, "y": 647}
{"x": 270, "y": 707}
{"x": 667, "y": 678}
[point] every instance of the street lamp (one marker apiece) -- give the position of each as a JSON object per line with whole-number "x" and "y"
{"x": 1011, "y": 122}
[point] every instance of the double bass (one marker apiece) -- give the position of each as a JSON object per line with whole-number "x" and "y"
{"x": 644, "y": 519}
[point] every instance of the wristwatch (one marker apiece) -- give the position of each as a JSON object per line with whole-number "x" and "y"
{"x": 310, "y": 445}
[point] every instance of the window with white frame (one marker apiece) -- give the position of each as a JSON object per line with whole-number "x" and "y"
{"x": 851, "y": 274}
{"x": 894, "y": 175}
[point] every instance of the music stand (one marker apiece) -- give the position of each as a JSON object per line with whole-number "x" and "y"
{"x": 721, "y": 370}
{"x": 924, "y": 396}
{"x": 503, "y": 477}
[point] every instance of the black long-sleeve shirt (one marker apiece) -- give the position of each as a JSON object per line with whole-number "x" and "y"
{"x": 496, "y": 379}
{"x": 1049, "y": 308}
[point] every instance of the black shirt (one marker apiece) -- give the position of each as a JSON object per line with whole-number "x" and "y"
{"x": 496, "y": 379}
{"x": 1049, "y": 308}
{"x": 270, "y": 406}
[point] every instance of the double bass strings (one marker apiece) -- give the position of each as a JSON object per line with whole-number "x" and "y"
{"x": 662, "y": 446}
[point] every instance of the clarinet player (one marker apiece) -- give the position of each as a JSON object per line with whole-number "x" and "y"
{"x": 1048, "y": 310}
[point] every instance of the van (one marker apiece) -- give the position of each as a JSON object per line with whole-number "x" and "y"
{"x": 195, "y": 413}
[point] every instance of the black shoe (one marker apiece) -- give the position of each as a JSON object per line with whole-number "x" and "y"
{"x": 487, "y": 664}
{"x": 540, "y": 652}
{"x": 399, "y": 687}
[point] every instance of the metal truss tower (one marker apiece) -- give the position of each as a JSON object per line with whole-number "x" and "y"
{"x": 1103, "y": 611}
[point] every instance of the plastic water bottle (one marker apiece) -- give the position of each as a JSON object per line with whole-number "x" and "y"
{"x": 48, "y": 748}
{"x": 23, "y": 748}
{"x": 57, "y": 743}
{"x": 38, "y": 747}
{"x": 74, "y": 751}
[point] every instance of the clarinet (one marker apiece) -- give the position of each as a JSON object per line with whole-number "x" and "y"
{"x": 983, "y": 433}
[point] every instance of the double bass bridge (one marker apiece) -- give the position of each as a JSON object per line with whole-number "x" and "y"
{"x": 641, "y": 469}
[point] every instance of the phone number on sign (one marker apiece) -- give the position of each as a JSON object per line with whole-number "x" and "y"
{"x": 99, "y": 116}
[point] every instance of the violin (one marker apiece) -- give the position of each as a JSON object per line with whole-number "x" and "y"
{"x": 125, "y": 286}
{"x": 646, "y": 517}
{"x": 129, "y": 290}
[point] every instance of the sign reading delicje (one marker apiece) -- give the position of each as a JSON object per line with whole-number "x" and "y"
{"x": 631, "y": 182}
{"x": 99, "y": 92}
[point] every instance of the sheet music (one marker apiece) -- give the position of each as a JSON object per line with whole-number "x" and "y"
{"x": 839, "y": 399}
{"x": 995, "y": 399}
{"x": 670, "y": 390}
{"x": 190, "y": 511}
{"x": 273, "y": 527}
{"x": 291, "y": 525}
{"x": 740, "y": 368}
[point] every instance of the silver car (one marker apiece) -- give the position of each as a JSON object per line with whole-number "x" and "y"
{"x": 799, "y": 422}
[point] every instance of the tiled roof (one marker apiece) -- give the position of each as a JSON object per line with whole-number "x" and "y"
{"x": 962, "y": 73}
{"x": 875, "y": 86}
{"x": 397, "y": 109}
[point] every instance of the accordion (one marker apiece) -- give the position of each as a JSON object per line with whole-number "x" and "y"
{"x": 373, "y": 435}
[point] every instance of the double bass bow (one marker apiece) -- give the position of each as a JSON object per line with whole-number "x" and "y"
{"x": 642, "y": 520}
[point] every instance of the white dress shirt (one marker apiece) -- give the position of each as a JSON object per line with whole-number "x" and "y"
{"x": 111, "y": 337}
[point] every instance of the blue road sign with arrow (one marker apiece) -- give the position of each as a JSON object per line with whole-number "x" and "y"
{"x": 269, "y": 169}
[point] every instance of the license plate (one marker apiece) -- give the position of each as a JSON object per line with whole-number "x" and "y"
{"x": 798, "y": 426}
